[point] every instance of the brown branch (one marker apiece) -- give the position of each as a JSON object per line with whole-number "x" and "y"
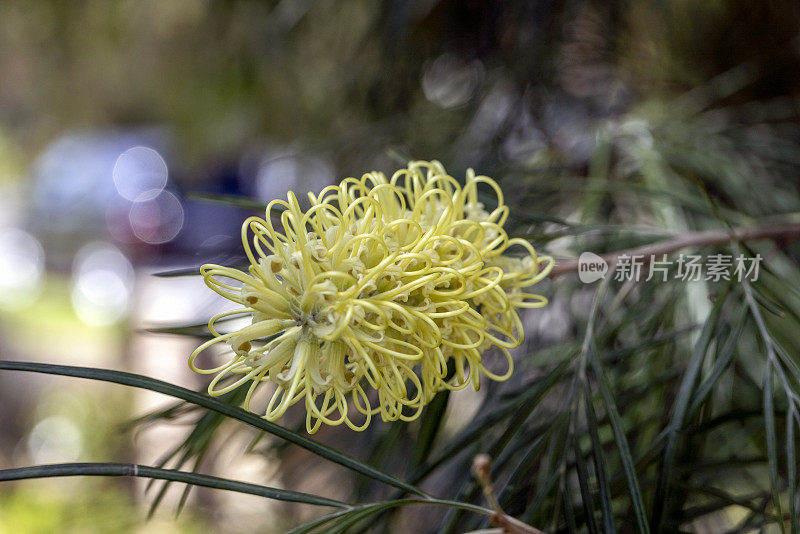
{"x": 481, "y": 468}
{"x": 688, "y": 240}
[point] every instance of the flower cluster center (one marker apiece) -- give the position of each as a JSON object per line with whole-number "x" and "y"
{"x": 388, "y": 288}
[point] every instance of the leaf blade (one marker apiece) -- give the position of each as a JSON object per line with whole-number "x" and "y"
{"x": 172, "y": 390}
{"x": 172, "y": 475}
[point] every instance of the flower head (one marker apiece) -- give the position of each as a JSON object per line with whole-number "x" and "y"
{"x": 359, "y": 303}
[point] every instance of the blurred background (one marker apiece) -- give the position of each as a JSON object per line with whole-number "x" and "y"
{"x": 117, "y": 117}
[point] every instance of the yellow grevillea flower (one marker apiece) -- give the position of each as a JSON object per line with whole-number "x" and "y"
{"x": 359, "y": 303}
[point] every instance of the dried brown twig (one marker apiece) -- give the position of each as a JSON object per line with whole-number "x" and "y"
{"x": 481, "y": 468}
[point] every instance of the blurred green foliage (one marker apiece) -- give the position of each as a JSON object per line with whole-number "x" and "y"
{"x": 71, "y": 506}
{"x": 346, "y": 77}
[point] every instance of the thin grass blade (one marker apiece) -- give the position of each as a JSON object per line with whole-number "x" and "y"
{"x": 172, "y": 390}
{"x": 144, "y": 471}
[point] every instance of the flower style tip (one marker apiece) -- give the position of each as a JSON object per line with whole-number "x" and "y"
{"x": 381, "y": 294}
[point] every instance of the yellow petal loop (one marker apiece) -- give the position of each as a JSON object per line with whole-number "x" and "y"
{"x": 379, "y": 285}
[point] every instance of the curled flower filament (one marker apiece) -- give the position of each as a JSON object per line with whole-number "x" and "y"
{"x": 362, "y": 302}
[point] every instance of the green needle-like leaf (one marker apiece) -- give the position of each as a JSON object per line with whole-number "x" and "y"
{"x": 679, "y": 413}
{"x": 791, "y": 472}
{"x": 112, "y": 469}
{"x": 600, "y": 466}
{"x": 230, "y": 200}
{"x": 376, "y": 507}
{"x": 159, "y": 386}
{"x": 429, "y": 426}
{"x": 628, "y": 464}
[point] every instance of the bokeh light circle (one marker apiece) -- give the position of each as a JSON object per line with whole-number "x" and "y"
{"x": 55, "y": 439}
{"x": 140, "y": 171}
{"x": 102, "y": 284}
{"x": 156, "y": 219}
{"x": 22, "y": 265}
